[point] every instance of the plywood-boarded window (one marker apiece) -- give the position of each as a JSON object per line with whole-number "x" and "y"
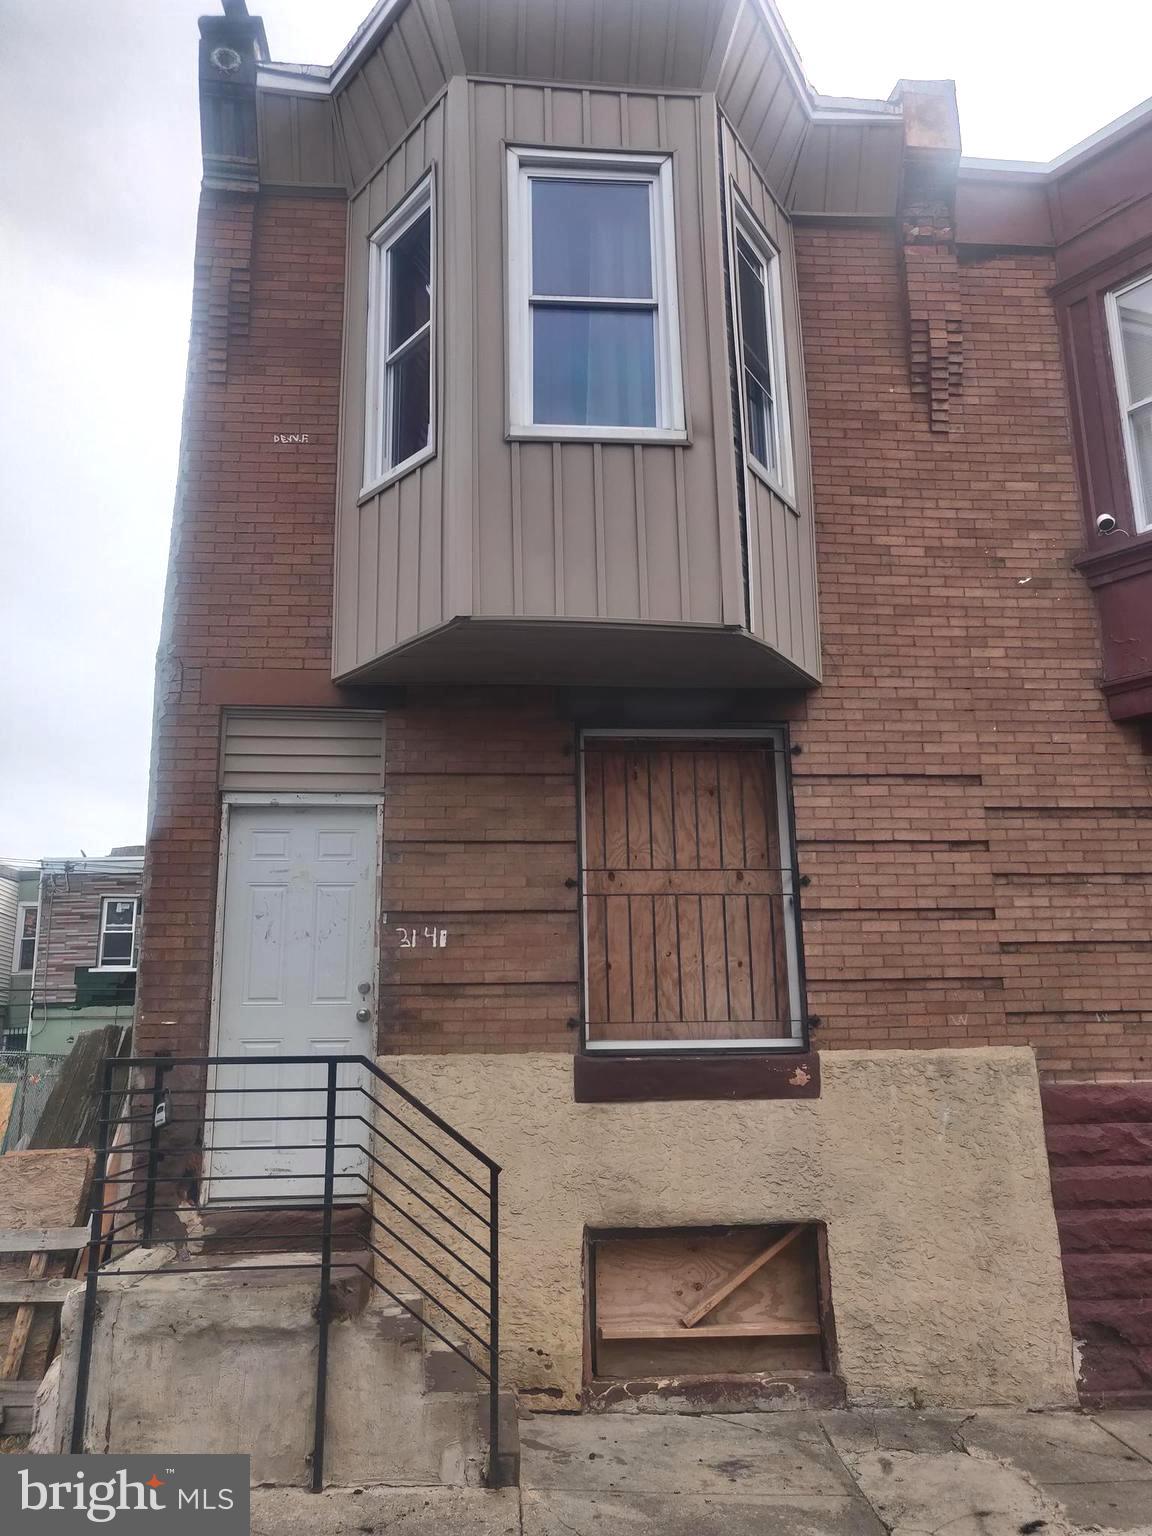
{"x": 687, "y": 893}
{"x": 706, "y": 1302}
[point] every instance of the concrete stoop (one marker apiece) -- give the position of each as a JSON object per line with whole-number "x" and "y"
{"x": 226, "y": 1362}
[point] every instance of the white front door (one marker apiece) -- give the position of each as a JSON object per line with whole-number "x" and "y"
{"x": 296, "y": 979}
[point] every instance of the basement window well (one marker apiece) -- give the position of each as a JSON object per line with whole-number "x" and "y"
{"x": 708, "y": 1302}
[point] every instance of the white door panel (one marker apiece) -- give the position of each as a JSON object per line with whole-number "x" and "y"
{"x": 298, "y": 951}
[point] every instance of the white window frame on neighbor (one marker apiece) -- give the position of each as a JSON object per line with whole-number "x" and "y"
{"x": 378, "y": 470}
{"x": 105, "y": 903}
{"x": 1141, "y": 500}
{"x": 18, "y": 945}
{"x": 576, "y": 165}
{"x": 744, "y": 222}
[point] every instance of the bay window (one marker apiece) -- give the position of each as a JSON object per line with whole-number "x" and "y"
{"x": 1130, "y": 328}
{"x": 594, "y": 346}
{"x": 763, "y": 383}
{"x": 399, "y": 425}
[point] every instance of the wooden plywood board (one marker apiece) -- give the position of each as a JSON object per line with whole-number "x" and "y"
{"x": 683, "y": 893}
{"x": 644, "y": 1284}
{"x": 39, "y": 1191}
{"x": 7, "y": 1099}
{"x": 45, "y": 1188}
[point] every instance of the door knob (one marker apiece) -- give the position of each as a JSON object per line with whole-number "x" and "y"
{"x": 363, "y": 1015}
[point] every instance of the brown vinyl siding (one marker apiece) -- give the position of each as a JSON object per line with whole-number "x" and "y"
{"x": 654, "y": 43}
{"x": 277, "y": 751}
{"x": 389, "y": 575}
{"x": 611, "y": 530}
{"x": 300, "y": 142}
{"x": 392, "y": 90}
{"x": 781, "y": 541}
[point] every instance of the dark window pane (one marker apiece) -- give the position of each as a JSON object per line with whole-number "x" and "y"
{"x": 753, "y": 314}
{"x": 27, "y": 953}
{"x": 117, "y": 949}
{"x": 410, "y": 394}
{"x": 761, "y": 435}
{"x": 118, "y": 914}
{"x": 594, "y": 367}
{"x": 591, "y": 239}
{"x": 409, "y": 279}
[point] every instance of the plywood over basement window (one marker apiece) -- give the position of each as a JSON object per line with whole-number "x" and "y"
{"x": 651, "y": 1293}
{"x": 687, "y": 894}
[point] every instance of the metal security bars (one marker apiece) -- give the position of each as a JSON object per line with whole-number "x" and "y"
{"x": 326, "y": 1159}
{"x": 691, "y": 923}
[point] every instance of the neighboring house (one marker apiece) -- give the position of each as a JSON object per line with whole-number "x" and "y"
{"x": 545, "y": 361}
{"x": 73, "y": 947}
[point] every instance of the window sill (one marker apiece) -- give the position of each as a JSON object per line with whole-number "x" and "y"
{"x": 598, "y": 1079}
{"x": 625, "y": 435}
{"x": 774, "y": 485}
{"x": 368, "y": 491}
{"x": 109, "y": 970}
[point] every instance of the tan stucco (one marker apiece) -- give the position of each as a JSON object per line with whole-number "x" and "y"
{"x": 927, "y": 1166}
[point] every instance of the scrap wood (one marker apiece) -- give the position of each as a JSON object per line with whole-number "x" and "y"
{"x": 702, "y": 1308}
{"x": 7, "y": 1099}
{"x": 43, "y": 1194}
{"x": 71, "y": 1114}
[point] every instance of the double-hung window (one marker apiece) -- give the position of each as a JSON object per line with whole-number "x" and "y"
{"x": 1130, "y": 326}
{"x": 763, "y": 382}
{"x": 117, "y": 948}
{"x": 594, "y": 343}
{"x": 24, "y": 956}
{"x": 399, "y": 424}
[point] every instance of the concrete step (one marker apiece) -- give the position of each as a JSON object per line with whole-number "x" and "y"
{"x": 1101, "y": 1186}
{"x": 1129, "y": 1320}
{"x": 1104, "y": 1143}
{"x": 1100, "y": 1275}
{"x": 1087, "y": 1103}
{"x": 1115, "y": 1231}
{"x": 241, "y": 1347}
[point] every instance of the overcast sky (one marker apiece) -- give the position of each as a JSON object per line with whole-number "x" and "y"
{"x": 99, "y": 175}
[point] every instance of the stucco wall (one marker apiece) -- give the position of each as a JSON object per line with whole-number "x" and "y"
{"x": 927, "y": 1166}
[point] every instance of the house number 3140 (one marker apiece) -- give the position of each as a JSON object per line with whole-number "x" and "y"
{"x": 415, "y": 938}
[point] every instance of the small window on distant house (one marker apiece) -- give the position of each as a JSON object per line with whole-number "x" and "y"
{"x": 594, "y": 347}
{"x": 24, "y": 955}
{"x": 761, "y": 341}
{"x": 399, "y": 425}
{"x": 1130, "y": 322}
{"x": 118, "y": 933}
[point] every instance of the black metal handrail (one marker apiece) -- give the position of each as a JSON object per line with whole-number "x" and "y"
{"x": 122, "y": 1221}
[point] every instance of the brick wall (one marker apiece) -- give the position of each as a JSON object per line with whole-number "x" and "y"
{"x": 977, "y": 832}
{"x": 480, "y": 842}
{"x": 250, "y": 577}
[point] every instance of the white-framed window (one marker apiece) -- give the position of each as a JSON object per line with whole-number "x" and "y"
{"x": 758, "y": 306}
{"x": 117, "y": 948}
{"x": 594, "y": 333}
{"x": 399, "y": 426}
{"x": 1130, "y": 329}
{"x": 24, "y": 950}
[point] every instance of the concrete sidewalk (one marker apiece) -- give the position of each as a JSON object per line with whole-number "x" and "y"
{"x": 992, "y": 1473}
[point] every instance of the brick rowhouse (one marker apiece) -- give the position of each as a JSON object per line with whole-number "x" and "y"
{"x": 973, "y": 827}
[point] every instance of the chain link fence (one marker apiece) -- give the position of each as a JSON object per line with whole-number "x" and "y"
{"x": 33, "y": 1078}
